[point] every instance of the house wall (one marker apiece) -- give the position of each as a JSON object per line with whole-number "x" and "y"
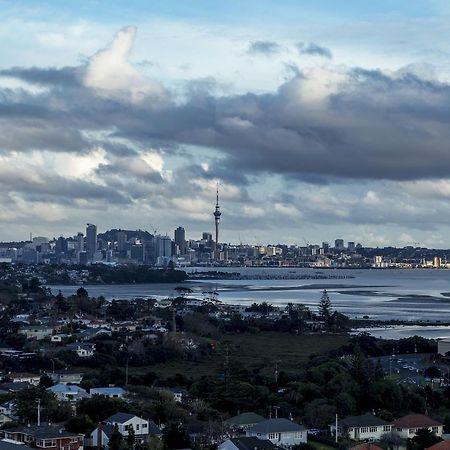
{"x": 363, "y": 433}
{"x": 284, "y": 438}
{"x": 408, "y": 433}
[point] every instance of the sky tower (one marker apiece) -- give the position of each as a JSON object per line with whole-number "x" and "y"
{"x": 217, "y": 215}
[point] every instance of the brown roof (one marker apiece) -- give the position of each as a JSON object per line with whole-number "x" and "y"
{"x": 443, "y": 445}
{"x": 416, "y": 421}
{"x": 367, "y": 446}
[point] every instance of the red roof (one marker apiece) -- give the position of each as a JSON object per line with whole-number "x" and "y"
{"x": 443, "y": 445}
{"x": 416, "y": 421}
{"x": 367, "y": 446}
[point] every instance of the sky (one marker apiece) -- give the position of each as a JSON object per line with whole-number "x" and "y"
{"x": 319, "y": 119}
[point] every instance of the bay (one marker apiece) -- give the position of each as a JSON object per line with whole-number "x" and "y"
{"x": 388, "y": 294}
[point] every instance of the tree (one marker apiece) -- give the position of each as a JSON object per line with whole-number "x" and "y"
{"x": 131, "y": 438}
{"x": 175, "y": 436}
{"x": 115, "y": 440}
{"x": 82, "y": 292}
{"x": 325, "y": 307}
{"x": 82, "y": 424}
{"x": 424, "y": 438}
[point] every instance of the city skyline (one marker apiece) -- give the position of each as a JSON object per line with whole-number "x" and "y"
{"x": 334, "y": 124}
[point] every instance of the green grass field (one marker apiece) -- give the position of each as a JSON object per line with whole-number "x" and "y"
{"x": 263, "y": 349}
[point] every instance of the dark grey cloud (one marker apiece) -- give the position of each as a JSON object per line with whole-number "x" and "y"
{"x": 314, "y": 49}
{"x": 264, "y": 47}
{"x": 65, "y": 76}
{"x": 372, "y": 126}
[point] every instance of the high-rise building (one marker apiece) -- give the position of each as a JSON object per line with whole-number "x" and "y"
{"x": 217, "y": 215}
{"x": 339, "y": 244}
{"x": 61, "y": 245}
{"x": 180, "y": 240}
{"x": 79, "y": 242}
{"x": 91, "y": 240}
{"x": 164, "y": 248}
{"x": 207, "y": 237}
{"x": 351, "y": 246}
{"x": 121, "y": 240}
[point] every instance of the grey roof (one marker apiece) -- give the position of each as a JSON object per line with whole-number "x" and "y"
{"x": 44, "y": 431}
{"x": 253, "y": 443}
{"x": 247, "y": 418}
{"x": 5, "y": 445}
{"x": 275, "y": 426}
{"x": 366, "y": 420}
{"x": 120, "y": 417}
{"x": 153, "y": 429}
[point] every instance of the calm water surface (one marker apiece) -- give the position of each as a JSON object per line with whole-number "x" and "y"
{"x": 379, "y": 294}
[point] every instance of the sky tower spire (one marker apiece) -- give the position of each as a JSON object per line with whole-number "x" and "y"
{"x": 217, "y": 215}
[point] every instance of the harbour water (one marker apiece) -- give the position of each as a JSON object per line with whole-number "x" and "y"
{"x": 416, "y": 295}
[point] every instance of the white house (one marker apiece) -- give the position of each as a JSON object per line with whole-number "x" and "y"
{"x": 68, "y": 392}
{"x": 124, "y": 422}
{"x": 111, "y": 392}
{"x": 281, "y": 432}
{"x": 82, "y": 350}
{"x": 361, "y": 428}
{"x": 407, "y": 426}
{"x": 19, "y": 377}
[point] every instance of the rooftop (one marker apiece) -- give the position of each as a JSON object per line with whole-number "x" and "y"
{"x": 275, "y": 426}
{"x": 416, "y": 421}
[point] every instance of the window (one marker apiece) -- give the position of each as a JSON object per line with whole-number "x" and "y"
{"x": 373, "y": 429}
{"x": 144, "y": 425}
{"x": 386, "y": 428}
{"x": 364, "y": 429}
{"x": 435, "y": 430}
{"x": 137, "y": 426}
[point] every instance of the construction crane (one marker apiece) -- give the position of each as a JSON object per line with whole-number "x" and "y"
{"x": 155, "y": 230}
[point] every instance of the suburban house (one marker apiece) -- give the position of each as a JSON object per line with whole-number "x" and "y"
{"x": 66, "y": 377}
{"x": 68, "y": 392}
{"x": 111, "y": 392}
{"x": 19, "y": 377}
{"x": 124, "y": 422}
{"x": 37, "y": 332}
{"x": 247, "y": 443}
{"x": 407, "y": 426}
{"x": 52, "y": 437}
{"x": 82, "y": 350}
{"x": 244, "y": 421}
{"x": 361, "y": 428}
{"x": 281, "y": 432}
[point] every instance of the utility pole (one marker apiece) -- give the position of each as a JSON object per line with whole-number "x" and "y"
{"x": 336, "y": 434}
{"x": 126, "y": 373}
{"x": 39, "y": 412}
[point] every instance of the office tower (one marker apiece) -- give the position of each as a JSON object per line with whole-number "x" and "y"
{"x": 326, "y": 247}
{"x": 217, "y": 215}
{"x": 121, "y": 240}
{"x": 79, "y": 242}
{"x": 207, "y": 237}
{"x": 339, "y": 244}
{"x": 91, "y": 240}
{"x": 164, "y": 248}
{"x": 180, "y": 240}
{"x": 351, "y": 247}
{"x": 61, "y": 246}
